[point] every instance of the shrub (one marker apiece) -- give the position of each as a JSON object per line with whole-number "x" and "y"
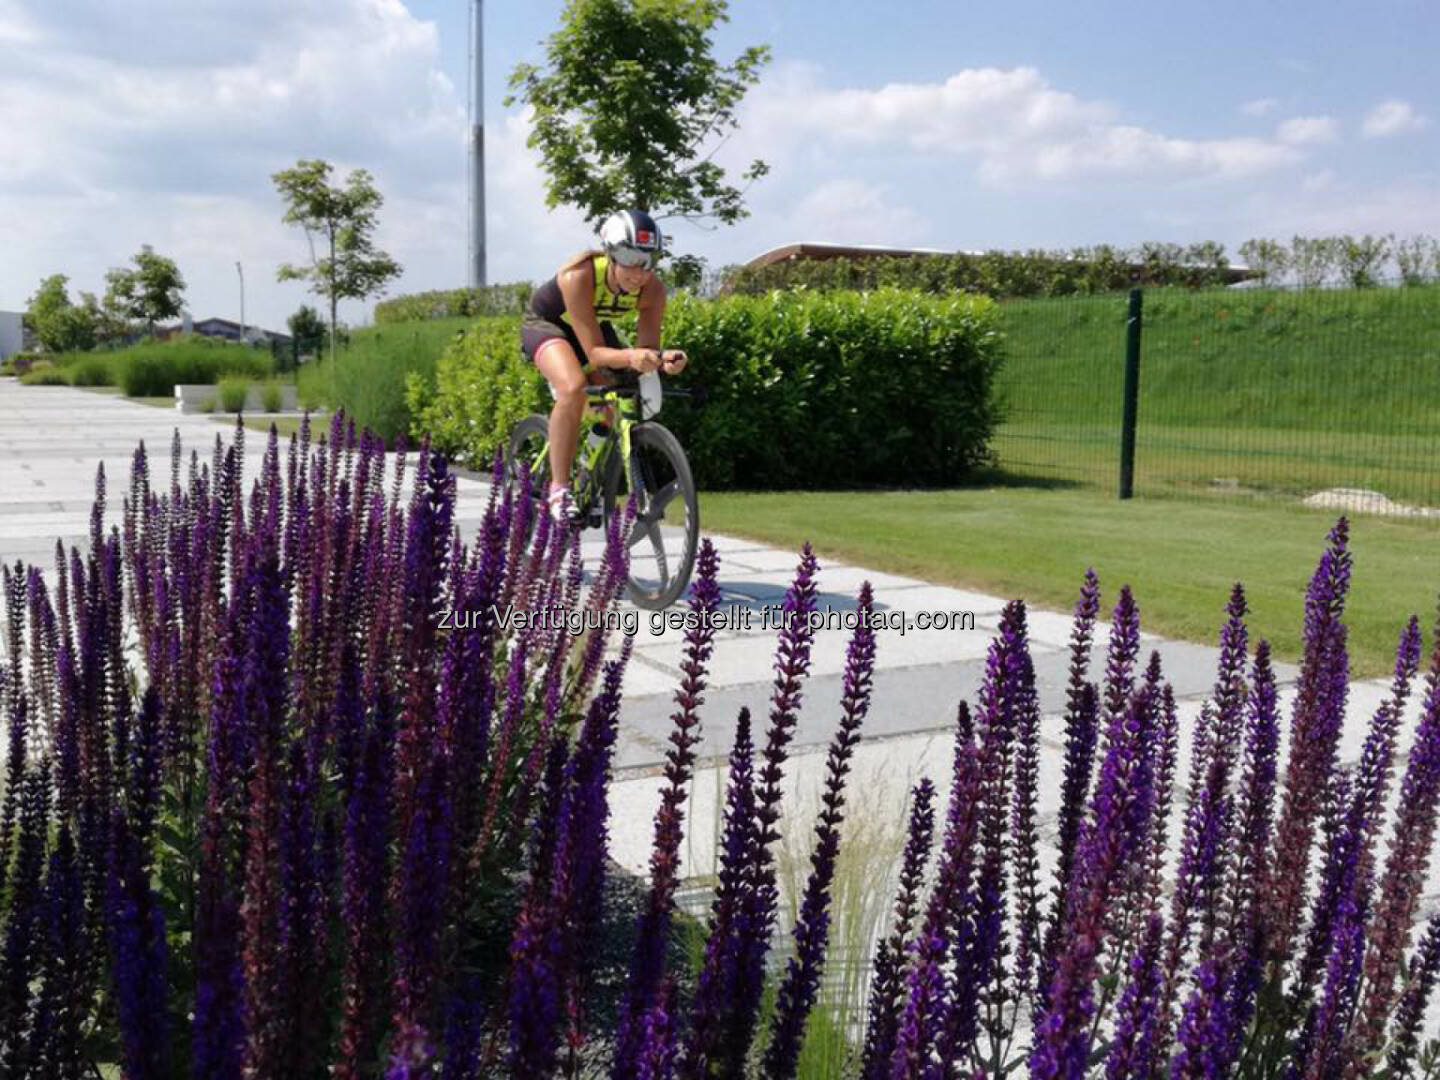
{"x": 155, "y": 369}
{"x": 232, "y": 392}
{"x": 828, "y": 390}
{"x": 271, "y": 396}
{"x": 482, "y": 387}
{"x": 92, "y": 371}
{"x": 456, "y": 303}
{"x": 46, "y": 376}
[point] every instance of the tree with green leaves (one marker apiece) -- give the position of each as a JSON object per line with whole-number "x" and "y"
{"x": 60, "y": 325}
{"x": 1267, "y": 258}
{"x": 307, "y": 329}
{"x": 347, "y": 266}
{"x": 150, "y": 292}
{"x": 628, "y": 103}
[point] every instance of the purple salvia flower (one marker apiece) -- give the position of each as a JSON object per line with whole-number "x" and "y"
{"x": 715, "y": 989}
{"x": 1114, "y": 834}
{"x": 24, "y": 930}
{"x": 924, "y": 1011}
{"x": 499, "y": 763}
{"x": 136, "y": 923}
{"x": 1081, "y": 729}
{"x": 792, "y": 665}
{"x": 889, "y": 966}
{"x": 66, "y": 995}
{"x": 1027, "y": 859}
{"x": 1320, "y": 1053}
{"x": 1257, "y": 794}
{"x": 980, "y": 944}
{"x": 656, "y": 1060}
{"x": 1123, "y": 651}
{"x": 1133, "y": 1053}
{"x": 1209, "y": 814}
{"x": 1424, "y": 971}
{"x": 802, "y": 977}
{"x": 647, "y": 966}
{"x": 1166, "y": 754}
{"x": 1395, "y": 914}
{"x": 367, "y": 832}
{"x": 464, "y": 1033}
{"x": 1314, "y": 732}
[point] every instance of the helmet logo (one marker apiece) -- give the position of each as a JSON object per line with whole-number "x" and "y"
{"x": 644, "y": 237}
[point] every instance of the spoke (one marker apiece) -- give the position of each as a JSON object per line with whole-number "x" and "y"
{"x": 663, "y": 498}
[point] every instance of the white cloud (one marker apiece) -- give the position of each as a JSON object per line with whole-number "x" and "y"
{"x": 853, "y": 212}
{"x": 1324, "y": 180}
{"x": 1392, "y": 118}
{"x": 1308, "y": 130}
{"x": 1013, "y": 123}
{"x": 1260, "y": 107}
{"x": 162, "y": 124}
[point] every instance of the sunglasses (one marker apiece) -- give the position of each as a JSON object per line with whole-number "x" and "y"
{"x": 632, "y": 257}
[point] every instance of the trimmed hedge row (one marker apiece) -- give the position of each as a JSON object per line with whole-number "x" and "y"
{"x": 997, "y": 273}
{"x": 456, "y": 303}
{"x": 481, "y": 388}
{"x": 804, "y": 390}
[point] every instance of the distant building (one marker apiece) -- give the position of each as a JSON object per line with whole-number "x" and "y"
{"x": 12, "y": 334}
{"x": 227, "y": 329}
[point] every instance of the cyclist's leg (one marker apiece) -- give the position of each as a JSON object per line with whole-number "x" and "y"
{"x": 556, "y": 358}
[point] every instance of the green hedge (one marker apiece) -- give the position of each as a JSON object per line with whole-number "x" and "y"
{"x": 481, "y": 388}
{"x": 997, "y": 273}
{"x": 810, "y": 390}
{"x": 805, "y": 390}
{"x": 456, "y": 303}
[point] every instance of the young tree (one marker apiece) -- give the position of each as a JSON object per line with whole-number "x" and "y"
{"x": 59, "y": 324}
{"x": 1267, "y": 258}
{"x": 1362, "y": 260}
{"x": 1415, "y": 256}
{"x": 343, "y": 218}
{"x": 151, "y": 292}
{"x": 307, "y": 329}
{"x": 628, "y": 102}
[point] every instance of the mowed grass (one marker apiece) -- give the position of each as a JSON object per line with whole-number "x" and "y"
{"x": 1269, "y": 390}
{"x": 1181, "y": 557}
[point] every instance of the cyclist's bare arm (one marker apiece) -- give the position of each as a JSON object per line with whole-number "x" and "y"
{"x": 647, "y": 332}
{"x": 577, "y": 286}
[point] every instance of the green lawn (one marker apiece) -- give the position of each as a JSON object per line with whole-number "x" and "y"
{"x": 1180, "y": 557}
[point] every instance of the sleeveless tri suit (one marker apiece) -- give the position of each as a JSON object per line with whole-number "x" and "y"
{"x": 545, "y": 321}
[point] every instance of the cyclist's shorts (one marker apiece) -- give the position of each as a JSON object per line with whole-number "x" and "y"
{"x": 535, "y": 332}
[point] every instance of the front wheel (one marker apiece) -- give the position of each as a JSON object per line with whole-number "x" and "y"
{"x": 666, "y": 531}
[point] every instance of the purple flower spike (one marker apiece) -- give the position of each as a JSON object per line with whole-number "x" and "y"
{"x": 802, "y": 977}
{"x": 1314, "y": 733}
{"x": 889, "y": 967}
{"x": 647, "y": 969}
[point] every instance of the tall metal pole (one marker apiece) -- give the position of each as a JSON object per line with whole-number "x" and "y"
{"x": 242, "y": 300}
{"x": 477, "y": 143}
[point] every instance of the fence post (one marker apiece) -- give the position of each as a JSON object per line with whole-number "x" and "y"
{"x": 1132, "y": 396}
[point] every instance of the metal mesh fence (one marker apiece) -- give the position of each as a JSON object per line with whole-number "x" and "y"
{"x": 1275, "y": 392}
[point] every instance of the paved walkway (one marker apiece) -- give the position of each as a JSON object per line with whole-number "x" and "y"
{"x": 52, "y": 438}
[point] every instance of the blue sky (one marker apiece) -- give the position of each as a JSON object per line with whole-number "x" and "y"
{"x": 1007, "y": 126}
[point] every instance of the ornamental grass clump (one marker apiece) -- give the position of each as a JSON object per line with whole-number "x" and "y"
{"x": 267, "y": 812}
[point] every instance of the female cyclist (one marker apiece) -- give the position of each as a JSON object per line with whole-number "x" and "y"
{"x": 566, "y": 331}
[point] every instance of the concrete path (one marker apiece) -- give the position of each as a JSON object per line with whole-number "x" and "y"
{"x": 52, "y": 438}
